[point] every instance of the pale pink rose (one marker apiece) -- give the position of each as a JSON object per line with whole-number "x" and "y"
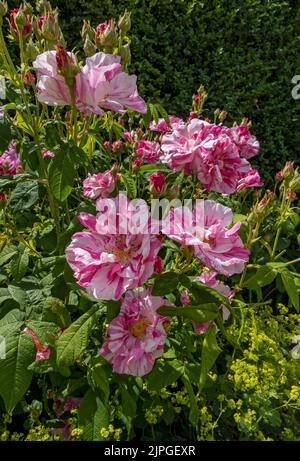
{"x": 42, "y": 350}
{"x": 205, "y": 229}
{"x": 157, "y": 183}
{"x": 102, "y": 84}
{"x": 250, "y": 179}
{"x": 161, "y": 125}
{"x": 99, "y": 185}
{"x": 112, "y": 256}
{"x": 136, "y": 337}
{"x": 10, "y": 162}
{"x": 149, "y": 151}
{"x": 51, "y": 86}
{"x": 247, "y": 144}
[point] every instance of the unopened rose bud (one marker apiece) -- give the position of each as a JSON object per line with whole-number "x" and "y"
{"x": 174, "y": 192}
{"x": 107, "y": 145}
{"x": 217, "y": 113}
{"x": 279, "y": 176}
{"x": 89, "y": 47}
{"x": 125, "y": 54}
{"x": 3, "y": 197}
{"x": 27, "y": 8}
{"x": 3, "y": 8}
{"x": 106, "y": 36}
{"x": 222, "y": 116}
{"x": 117, "y": 146}
{"x": 48, "y": 26}
{"x": 121, "y": 121}
{"x": 192, "y": 115}
{"x": 66, "y": 66}
{"x": 288, "y": 171}
{"x": 157, "y": 184}
{"x": 158, "y": 265}
{"x": 20, "y": 23}
{"x": 87, "y": 31}
{"x": 29, "y": 78}
{"x": 185, "y": 298}
{"x": 42, "y": 6}
{"x": 31, "y": 51}
{"x": 136, "y": 164}
{"x": 292, "y": 195}
{"x": 124, "y": 23}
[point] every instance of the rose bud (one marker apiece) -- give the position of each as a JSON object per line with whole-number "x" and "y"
{"x": 157, "y": 183}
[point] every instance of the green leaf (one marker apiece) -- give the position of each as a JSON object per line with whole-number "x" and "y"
{"x": 15, "y": 378}
{"x": 7, "y": 253}
{"x": 210, "y": 353}
{"x": 264, "y": 276}
{"x": 93, "y": 416}
{"x": 130, "y": 185}
{"x": 291, "y": 288}
{"x": 203, "y": 294}
{"x": 201, "y": 313}
{"x": 62, "y": 173}
{"x": 19, "y": 264}
{"x": 73, "y": 341}
{"x": 128, "y": 403}
{"x": 113, "y": 309}
{"x": 25, "y": 195}
{"x": 5, "y": 134}
{"x": 165, "y": 283}
{"x": 163, "y": 374}
{"x": 194, "y": 411}
{"x": 97, "y": 376}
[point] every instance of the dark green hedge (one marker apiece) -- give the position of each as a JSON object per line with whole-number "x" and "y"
{"x": 245, "y": 52}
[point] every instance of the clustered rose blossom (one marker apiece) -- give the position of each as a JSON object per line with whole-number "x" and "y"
{"x": 161, "y": 125}
{"x": 148, "y": 151}
{"x": 111, "y": 257}
{"x": 100, "y": 185}
{"x": 136, "y": 337}
{"x": 10, "y": 162}
{"x": 216, "y": 153}
{"x": 100, "y": 84}
{"x": 205, "y": 229}
{"x": 42, "y": 350}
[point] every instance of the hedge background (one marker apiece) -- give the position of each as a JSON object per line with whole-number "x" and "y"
{"x": 245, "y": 52}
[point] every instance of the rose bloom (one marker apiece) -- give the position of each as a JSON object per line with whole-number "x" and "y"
{"x": 249, "y": 179}
{"x": 136, "y": 337}
{"x": 51, "y": 86}
{"x": 148, "y": 151}
{"x": 106, "y": 259}
{"x": 10, "y": 162}
{"x": 211, "y": 151}
{"x": 161, "y": 125}
{"x": 102, "y": 85}
{"x": 205, "y": 228}
{"x": 247, "y": 144}
{"x": 99, "y": 185}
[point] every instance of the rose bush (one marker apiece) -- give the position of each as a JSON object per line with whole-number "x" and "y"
{"x": 123, "y": 315}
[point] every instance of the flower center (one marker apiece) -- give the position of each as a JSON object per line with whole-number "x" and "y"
{"x": 211, "y": 241}
{"x": 138, "y": 329}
